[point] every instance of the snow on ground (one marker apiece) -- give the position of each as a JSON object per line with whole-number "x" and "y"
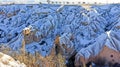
{"x": 7, "y": 61}
{"x": 48, "y": 22}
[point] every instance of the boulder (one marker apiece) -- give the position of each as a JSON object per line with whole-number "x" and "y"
{"x": 7, "y": 61}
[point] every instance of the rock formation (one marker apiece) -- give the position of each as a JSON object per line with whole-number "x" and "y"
{"x": 79, "y": 31}
{"x": 7, "y": 61}
{"x": 105, "y": 51}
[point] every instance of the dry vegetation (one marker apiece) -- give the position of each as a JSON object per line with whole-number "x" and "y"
{"x": 35, "y": 60}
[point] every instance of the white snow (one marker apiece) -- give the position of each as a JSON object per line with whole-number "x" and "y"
{"x": 7, "y": 61}
{"x": 51, "y": 20}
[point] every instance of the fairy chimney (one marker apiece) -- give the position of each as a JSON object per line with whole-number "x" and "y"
{"x": 28, "y": 35}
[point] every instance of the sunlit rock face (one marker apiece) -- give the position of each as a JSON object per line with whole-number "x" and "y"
{"x": 105, "y": 51}
{"x": 7, "y": 61}
{"x": 28, "y": 36}
{"x": 31, "y": 35}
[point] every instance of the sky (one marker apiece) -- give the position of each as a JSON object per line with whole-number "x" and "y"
{"x": 24, "y": 1}
{"x": 44, "y": 1}
{"x": 102, "y": 1}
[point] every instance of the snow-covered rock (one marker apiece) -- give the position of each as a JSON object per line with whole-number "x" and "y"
{"x": 7, "y": 61}
{"x": 106, "y": 45}
{"x": 38, "y": 26}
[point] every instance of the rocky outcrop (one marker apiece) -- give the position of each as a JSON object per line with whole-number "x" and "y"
{"x": 105, "y": 51}
{"x": 28, "y": 35}
{"x": 7, "y": 61}
{"x": 64, "y": 45}
{"x": 31, "y": 35}
{"x": 106, "y": 57}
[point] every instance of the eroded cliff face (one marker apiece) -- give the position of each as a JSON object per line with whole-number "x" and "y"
{"x": 39, "y": 25}
{"x": 104, "y": 52}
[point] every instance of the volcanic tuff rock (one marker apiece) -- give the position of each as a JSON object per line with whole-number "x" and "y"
{"x": 39, "y": 25}
{"x": 7, "y": 61}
